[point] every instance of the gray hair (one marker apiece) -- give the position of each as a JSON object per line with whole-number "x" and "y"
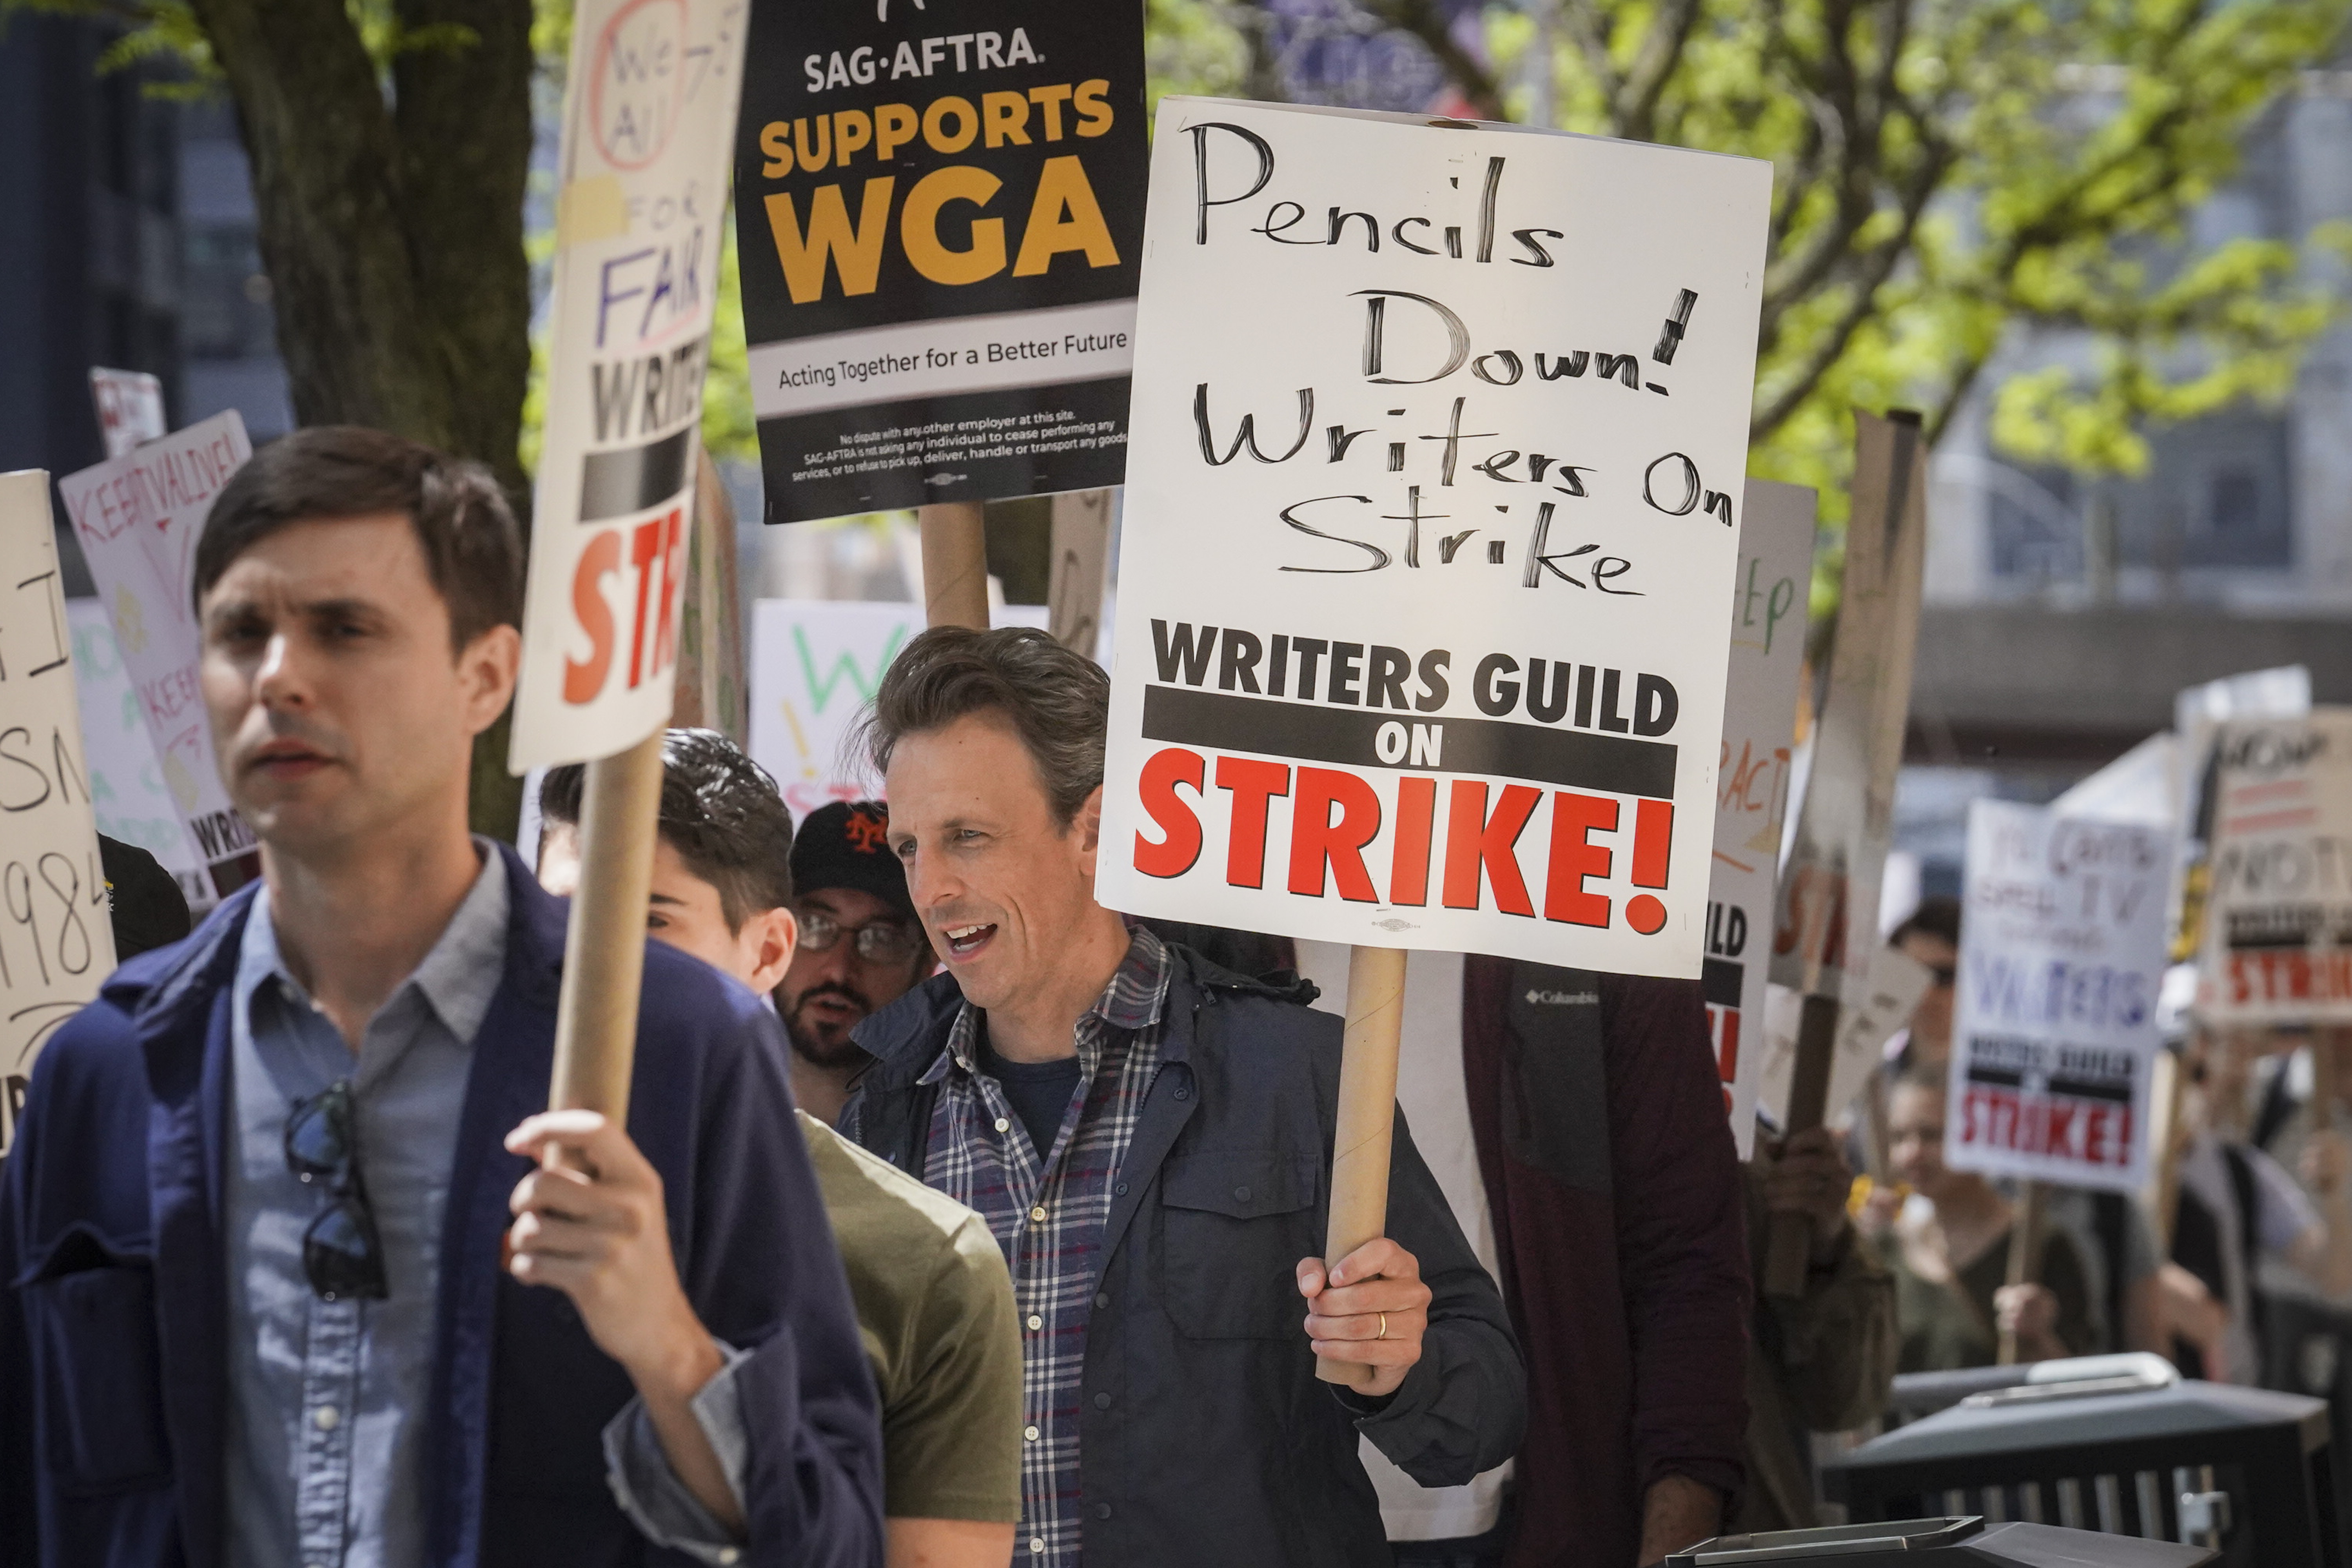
{"x": 1056, "y": 701}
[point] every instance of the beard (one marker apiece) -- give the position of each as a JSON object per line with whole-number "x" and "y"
{"x": 824, "y": 1042}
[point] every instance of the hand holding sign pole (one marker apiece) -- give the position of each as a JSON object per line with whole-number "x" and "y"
{"x": 1430, "y": 529}
{"x": 648, "y": 122}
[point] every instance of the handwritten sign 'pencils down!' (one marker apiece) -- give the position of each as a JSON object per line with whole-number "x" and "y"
{"x": 1434, "y": 478}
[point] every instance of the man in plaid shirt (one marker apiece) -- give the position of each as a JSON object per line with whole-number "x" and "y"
{"x": 1147, "y": 1136}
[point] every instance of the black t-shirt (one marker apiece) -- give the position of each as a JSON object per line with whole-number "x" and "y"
{"x": 1040, "y": 1092}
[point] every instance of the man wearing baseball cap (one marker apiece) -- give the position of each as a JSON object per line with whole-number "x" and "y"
{"x": 861, "y": 947}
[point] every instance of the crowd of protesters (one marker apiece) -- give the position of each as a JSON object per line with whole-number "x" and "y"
{"x": 958, "y": 1219}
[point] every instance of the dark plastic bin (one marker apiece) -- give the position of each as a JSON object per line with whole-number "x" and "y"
{"x": 1939, "y": 1543}
{"x": 2244, "y": 1469}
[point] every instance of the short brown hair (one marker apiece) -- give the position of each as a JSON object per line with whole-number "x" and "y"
{"x": 1056, "y": 701}
{"x": 719, "y": 810}
{"x": 473, "y": 548}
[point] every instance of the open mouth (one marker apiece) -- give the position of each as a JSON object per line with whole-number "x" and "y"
{"x": 965, "y": 940}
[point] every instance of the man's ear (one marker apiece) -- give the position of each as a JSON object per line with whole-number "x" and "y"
{"x": 779, "y": 936}
{"x": 487, "y": 671}
{"x": 1088, "y": 825}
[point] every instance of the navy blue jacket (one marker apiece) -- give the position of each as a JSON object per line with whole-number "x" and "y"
{"x": 113, "y": 1294}
{"x": 1206, "y": 1437}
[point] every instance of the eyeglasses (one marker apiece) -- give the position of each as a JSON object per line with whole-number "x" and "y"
{"x": 341, "y": 1252}
{"x": 877, "y": 942}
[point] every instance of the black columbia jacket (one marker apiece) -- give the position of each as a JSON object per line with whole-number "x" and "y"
{"x": 1216, "y": 1443}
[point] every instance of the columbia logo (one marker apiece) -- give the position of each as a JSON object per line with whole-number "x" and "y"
{"x": 1563, "y": 998}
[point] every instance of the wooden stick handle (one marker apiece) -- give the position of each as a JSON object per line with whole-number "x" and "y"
{"x": 1788, "y": 1240}
{"x": 955, "y": 564}
{"x": 2024, "y": 1246}
{"x": 605, "y": 949}
{"x": 1367, "y": 1118}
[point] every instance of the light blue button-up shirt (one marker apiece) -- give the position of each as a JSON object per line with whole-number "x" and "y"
{"x": 327, "y": 1399}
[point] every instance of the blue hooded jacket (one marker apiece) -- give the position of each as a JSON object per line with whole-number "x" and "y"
{"x": 113, "y": 1293}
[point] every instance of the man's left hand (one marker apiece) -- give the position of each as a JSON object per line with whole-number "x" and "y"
{"x": 1371, "y": 1310}
{"x": 595, "y": 1228}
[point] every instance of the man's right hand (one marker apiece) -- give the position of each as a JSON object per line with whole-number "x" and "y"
{"x": 1810, "y": 1178}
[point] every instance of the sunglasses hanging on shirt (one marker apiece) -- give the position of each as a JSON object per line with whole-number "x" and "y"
{"x": 341, "y": 1253}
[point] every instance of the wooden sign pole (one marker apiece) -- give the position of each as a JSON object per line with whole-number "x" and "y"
{"x": 2025, "y": 1242}
{"x": 1788, "y": 1254}
{"x": 605, "y": 948}
{"x": 955, "y": 564}
{"x": 1367, "y": 1118}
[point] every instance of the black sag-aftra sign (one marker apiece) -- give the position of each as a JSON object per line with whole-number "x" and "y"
{"x": 939, "y": 216}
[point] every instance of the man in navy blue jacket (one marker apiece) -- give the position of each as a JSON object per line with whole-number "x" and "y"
{"x": 270, "y": 1231}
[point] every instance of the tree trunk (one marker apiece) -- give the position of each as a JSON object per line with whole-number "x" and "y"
{"x": 391, "y": 228}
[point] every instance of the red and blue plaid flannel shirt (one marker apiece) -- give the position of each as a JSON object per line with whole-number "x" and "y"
{"x": 1048, "y": 1215}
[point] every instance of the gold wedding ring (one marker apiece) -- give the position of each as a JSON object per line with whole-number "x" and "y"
{"x": 1384, "y": 1327}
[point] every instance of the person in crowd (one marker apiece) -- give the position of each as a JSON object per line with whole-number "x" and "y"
{"x": 1616, "y": 1201}
{"x": 143, "y": 902}
{"x": 1824, "y": 1361}
{"x": 2242, "y": 1222}
{"x": 1931, "y": 935}
{"x": 293, "y": 1276}
{"x": 1468, "y": 1525}
{"x": 1950, "y": 1256}
{"x": 934, "y": 1303}
{"x": 860, "y": 947}
{"x": 2110, "y": 1232}
{"x": 1149, "y": 1139}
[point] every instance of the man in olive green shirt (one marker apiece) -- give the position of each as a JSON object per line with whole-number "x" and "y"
{"x": 934, "y": 1301}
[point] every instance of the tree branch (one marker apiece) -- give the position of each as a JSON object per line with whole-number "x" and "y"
{"x": 1635, "y": 106}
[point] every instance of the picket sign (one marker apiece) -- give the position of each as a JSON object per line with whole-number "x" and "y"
{"x": 2199, "y": 712}
{"x": 1079, "y": 581}
{"x": 1431, "y": 516}
{"x": 2054, "y": 1033}
{"x": 137, "y": 518}
{"x": 2277, "y": 939}
{"x": 1868, "y": 1018}
{"x": 1827, "y": 903}
{"x": 130, "y": 404}
{"x": 1753, "y": 787}
{"x": 939, "y": 223}
{"x": 648, "y": 122}
{"x": 56, "y": 942}
{"x": 126, "y": 779}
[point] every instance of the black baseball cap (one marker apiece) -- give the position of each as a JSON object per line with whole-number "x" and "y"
{"x": 846, "y": 844}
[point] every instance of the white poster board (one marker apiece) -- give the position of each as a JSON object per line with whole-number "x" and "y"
{"x": 1431, "y": 520}
{"x": 815, "y": 665}
{"x": 2277, "y": 945}
{"x": 130, "y": 407}
{"x": 1868, "y": 1016}
{"x": 57, "y": 943}
{"x": 1081, "y": 569}
{"x": 1759, "y": 737}
{"x": 2199, "y": 712}
{"x": 126, "y": 781}
{"x": 137, "y": 518}
{"x": 1825, "y": 931}
{"x": 2055, "y": 1032}
{"x": 648, "y": 131}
